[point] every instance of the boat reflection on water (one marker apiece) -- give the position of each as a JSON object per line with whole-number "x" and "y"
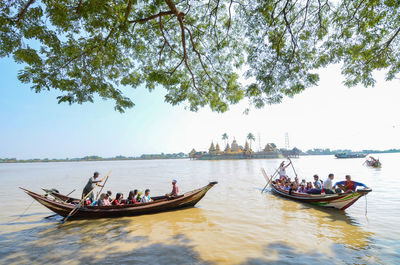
{"x": 323, "y": 234}
{"x": 141, "y": 239}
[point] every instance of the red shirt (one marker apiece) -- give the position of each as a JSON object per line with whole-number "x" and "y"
{"x": 350, "y": 185}
{"x": 116, "y": 202}
{"x": 133, "y": 201}
{"x": 175, "y": 190}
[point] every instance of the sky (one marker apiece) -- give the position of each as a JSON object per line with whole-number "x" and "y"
{"x": 329, "y": 115}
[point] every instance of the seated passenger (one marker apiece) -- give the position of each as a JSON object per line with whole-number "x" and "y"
{"x": 302, "y": 188}
{"x": 139, "y": 196}
{"x": 317, "y": 186}
{"x": 286, "y": 187}
{"x": 118, "y": 199}
{"x": 109, "y": 193}
{"x": 292, "y": 188}
{"x": 146, "y": 197}
{"x": 132, "y": 197}
{"x": 296, "y": 180}
{"x": 103, "y": 200}
{"x": 328, "y": 185}
{"x": 175, "y": 189}
{"x": 317, "y": 182}
{"x": 309, "y": 186}
{"x": 349, "y": 185}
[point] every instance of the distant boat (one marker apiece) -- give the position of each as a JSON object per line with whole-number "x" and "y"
{"x": 63, "y": 205}
{"x": 373, "y": 163}
{"x": 350, "y": 155}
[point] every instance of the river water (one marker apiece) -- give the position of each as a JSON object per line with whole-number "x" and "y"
{"x": 233, "y": 224}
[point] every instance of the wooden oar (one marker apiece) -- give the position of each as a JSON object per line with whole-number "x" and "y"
{"x": 70, "y": 193}
{"x": 266, "y": 177}
{"x": 294, "y": 170}
{"x": 97, "y": 196}
{"x": 83, "y": 199}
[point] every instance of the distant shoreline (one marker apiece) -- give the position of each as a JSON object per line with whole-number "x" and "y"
{"x": 97, "y": 158}
{"x": 153, "y": 157}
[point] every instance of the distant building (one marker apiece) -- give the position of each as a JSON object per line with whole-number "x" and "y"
{"x": 235, "y": 151}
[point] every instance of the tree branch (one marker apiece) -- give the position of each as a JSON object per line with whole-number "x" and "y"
{"x": 23, "y": 11}
{"x": 165, "y": 38}
{"x": 78, "y": 8}
{"x": 128, "y": 10}
{"x": 180, "y": 19}
{"x": 294, "y": 43}
{"x": 199, "y": 56}
{"x": 162, "y": 13}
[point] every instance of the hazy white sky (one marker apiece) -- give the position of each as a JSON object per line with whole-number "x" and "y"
{"x": 327, "y": 116}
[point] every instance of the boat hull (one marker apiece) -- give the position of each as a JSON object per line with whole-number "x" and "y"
{"x": 346, "y": 155}
{"x": 340, "y": 201}
{"x": 162, "y": 204}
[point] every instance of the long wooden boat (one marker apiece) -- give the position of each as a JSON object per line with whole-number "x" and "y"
{"x": 350, "y": 155}
{"x": 340, "y": 201}
{"x": 63, "y": 205}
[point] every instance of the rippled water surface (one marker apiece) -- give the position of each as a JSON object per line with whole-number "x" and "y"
{"x": 233, "y": 224}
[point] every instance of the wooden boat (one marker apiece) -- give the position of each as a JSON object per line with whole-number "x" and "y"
{"x": 63, "y": 205}
{"x": 340, "y": 201}
{"x": 372, "y": 163}
{"x": 350, "y": 155}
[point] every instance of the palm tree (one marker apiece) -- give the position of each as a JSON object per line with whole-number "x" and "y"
{"x": 225, "y": 137}
{"x": 251, "y": 138}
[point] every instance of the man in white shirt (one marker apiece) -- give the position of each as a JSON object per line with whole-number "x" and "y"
{"x": 328, "y": 185}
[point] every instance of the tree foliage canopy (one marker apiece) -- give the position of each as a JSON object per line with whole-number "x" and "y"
{"x": 195, "y": 49}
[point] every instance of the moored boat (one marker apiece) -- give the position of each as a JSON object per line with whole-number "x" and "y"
{"x": 63, "y": 205}
{"x": 350, "y": 155}
{"x": 340, "y": 201}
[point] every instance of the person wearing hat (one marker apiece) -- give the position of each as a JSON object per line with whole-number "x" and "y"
{"x": 90, "y": 186}
{"x": 175, "y": 189}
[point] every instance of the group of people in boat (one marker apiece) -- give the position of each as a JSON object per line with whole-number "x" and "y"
{"x": 105, "y": 199}
{"x": 317, "y": 186}
{"x": 373, "y": 162}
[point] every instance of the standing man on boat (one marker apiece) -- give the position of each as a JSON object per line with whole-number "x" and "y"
{"x": 349, "y": 185}
{"x": 90, "y": 186}
{"x": 282, "y": 170}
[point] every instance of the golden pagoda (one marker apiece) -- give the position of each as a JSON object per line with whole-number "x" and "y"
{"x": 217, "y": 149}
{"x": 235, "y": 146}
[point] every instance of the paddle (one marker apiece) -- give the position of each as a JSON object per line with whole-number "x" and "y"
{"x": 83, "y": 199}
{"x": 266, "y": 177}
{"x": 292, "y": 166}
{"x": 97, "y": 196}
{"x": 70, "y": 193}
